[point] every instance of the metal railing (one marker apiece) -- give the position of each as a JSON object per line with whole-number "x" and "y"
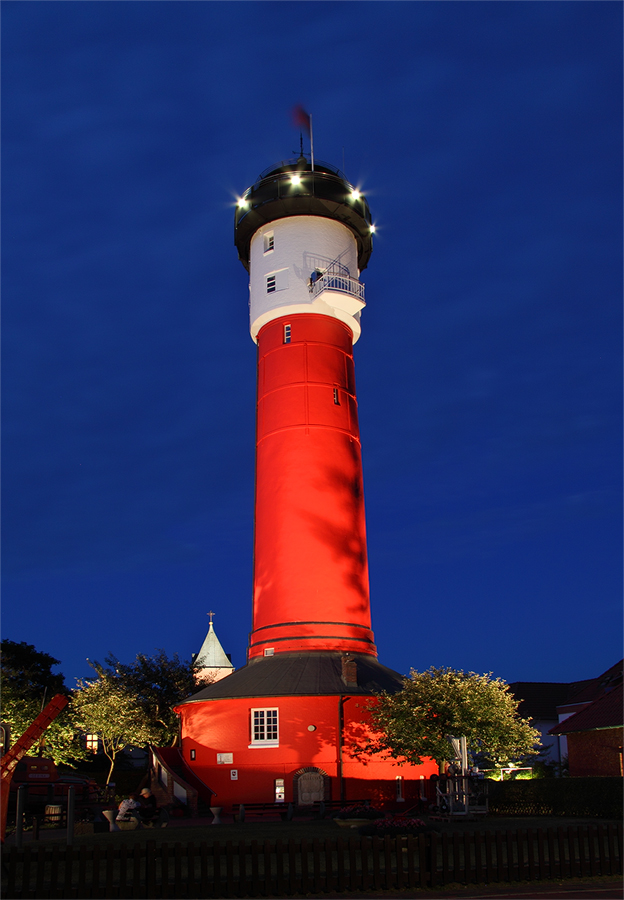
{"x": 325, "y": 265}
{"x": 342, "y": 283}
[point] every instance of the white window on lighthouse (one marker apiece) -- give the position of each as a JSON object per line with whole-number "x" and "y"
{"x": 269, "y": 242}
{"x": 277, "y": 281}
{"x": 264, "y": 728}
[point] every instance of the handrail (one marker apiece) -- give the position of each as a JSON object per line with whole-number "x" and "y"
{"x": 325, "y": 265}
{"x": 342, "y": 283}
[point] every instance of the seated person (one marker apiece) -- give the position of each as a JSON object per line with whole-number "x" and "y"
{"x": 124, "y": 814}
{"x": 148, "y": 809}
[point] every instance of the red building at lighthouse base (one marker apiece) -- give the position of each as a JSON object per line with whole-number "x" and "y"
{"x": 288, "y": 728}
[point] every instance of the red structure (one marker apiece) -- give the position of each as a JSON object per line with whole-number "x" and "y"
{"x": 11, "y": 758}
{"x": 284, "y": 728}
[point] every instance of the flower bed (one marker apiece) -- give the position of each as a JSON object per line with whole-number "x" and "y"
{"x": 357, "y": 812}
{"x": 393, "y": 825}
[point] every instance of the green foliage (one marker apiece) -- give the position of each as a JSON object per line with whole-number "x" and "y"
{"x": 596, "y": 797}
{"x": 28, "y": 684}
{"x": 107, "y": 706}
{"x": 413, "y": 724}
{"x": 157, "y": 683}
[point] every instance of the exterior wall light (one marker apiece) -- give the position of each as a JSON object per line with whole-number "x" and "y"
{"x": 372, "y": 229}
{"x": 295, "y": 180}
{"x": 241, "y": 203}
{"x": 355, "y": 194}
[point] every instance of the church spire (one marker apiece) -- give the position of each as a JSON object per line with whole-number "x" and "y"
{"x": 212, "y": 661}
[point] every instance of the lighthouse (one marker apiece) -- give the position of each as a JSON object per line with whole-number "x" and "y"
{"x": 284, "y": 727}
{"x": 304, "y": 236}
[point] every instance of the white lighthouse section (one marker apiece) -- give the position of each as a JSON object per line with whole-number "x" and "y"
{"x": 304, "y": 264}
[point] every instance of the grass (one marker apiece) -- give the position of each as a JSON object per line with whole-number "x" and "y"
{"x": 273, "y": 830}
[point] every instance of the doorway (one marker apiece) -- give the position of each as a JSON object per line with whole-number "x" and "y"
{"x": 310, "y": 788}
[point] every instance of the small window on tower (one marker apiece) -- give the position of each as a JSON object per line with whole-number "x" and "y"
{"x": 192, "y": 754}
{"x": 269, "y": 242}
{"x": 399, "y": 789}
{"x": 287, "y": 334}
{"x": 336, "y": 397}
{"x": 270, "y": 284}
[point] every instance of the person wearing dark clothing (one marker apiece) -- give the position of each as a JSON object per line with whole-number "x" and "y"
{"x": 149, "y": 808}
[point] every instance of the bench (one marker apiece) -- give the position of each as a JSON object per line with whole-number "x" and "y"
{"x": 287, "y": 811}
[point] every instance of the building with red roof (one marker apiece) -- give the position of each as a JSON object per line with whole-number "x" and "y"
{"x": 592, "y": 720}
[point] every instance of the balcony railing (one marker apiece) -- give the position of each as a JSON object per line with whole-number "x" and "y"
{"x": 344, "y": 284}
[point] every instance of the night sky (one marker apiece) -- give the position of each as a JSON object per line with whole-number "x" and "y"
{"x": 487, "y": 138}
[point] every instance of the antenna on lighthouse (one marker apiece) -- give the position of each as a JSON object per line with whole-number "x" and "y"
{"x": 304, "y": 120}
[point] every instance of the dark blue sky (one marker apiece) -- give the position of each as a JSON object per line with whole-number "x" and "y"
{"x": 487, "y": 137}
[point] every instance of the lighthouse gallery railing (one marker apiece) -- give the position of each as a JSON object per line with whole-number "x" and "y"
{"x": 342, "y": 283}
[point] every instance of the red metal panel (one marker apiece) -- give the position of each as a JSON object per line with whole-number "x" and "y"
{"x": 323, "y": 410}
{"x": 283, "y": 409}
{"x": 283, "y": 366}
{"x": 327, "y": 365}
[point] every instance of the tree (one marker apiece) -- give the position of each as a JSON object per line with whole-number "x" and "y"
{"x": 28, "y": 683}
{"x": 157, "y": 683}
{"x": 415, "y": 723}
{"x": 108, "y": 707}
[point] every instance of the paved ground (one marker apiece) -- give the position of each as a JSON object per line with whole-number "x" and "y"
{"x": 593, "y": 889}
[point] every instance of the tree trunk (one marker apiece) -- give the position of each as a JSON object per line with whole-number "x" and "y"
{"x": 112, "y": 766}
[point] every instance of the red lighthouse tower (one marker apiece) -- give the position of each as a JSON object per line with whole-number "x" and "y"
{"x": 282, "y": 727}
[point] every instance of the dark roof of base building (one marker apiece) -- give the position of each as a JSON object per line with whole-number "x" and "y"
{"x": 606, "y": 712}
{"x": 549, "y": 699}
{"x": 597, "y": 687}
{"x": 289, "y": 675}
{"x": 540, "y": 699}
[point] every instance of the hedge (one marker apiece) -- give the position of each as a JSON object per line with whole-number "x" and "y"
{"x": 599, "y": 797}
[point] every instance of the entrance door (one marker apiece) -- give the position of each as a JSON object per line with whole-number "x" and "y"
{"x": 310, "y": 788}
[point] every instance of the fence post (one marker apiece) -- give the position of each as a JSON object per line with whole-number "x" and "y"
{"x": 19, "y": 815}
{"x": 71, "y": 803}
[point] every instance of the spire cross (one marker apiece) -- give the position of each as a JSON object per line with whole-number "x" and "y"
{"x": 211, "y": 614}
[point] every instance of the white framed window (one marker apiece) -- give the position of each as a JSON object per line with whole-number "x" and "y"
{"x": 287, "y": 334}
{"x": 269, "y": 242}
{"x": 92, "y": 743}
{"x": 264, "y": 728}
{"x": 399, "y": 789}
{"x": 336, "y": 397}
{"x": 277, "y": 281}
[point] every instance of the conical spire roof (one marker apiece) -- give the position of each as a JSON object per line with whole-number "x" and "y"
{"x": 212, "y": 655}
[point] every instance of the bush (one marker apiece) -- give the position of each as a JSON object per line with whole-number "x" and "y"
{"x": 587, "y": 797}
